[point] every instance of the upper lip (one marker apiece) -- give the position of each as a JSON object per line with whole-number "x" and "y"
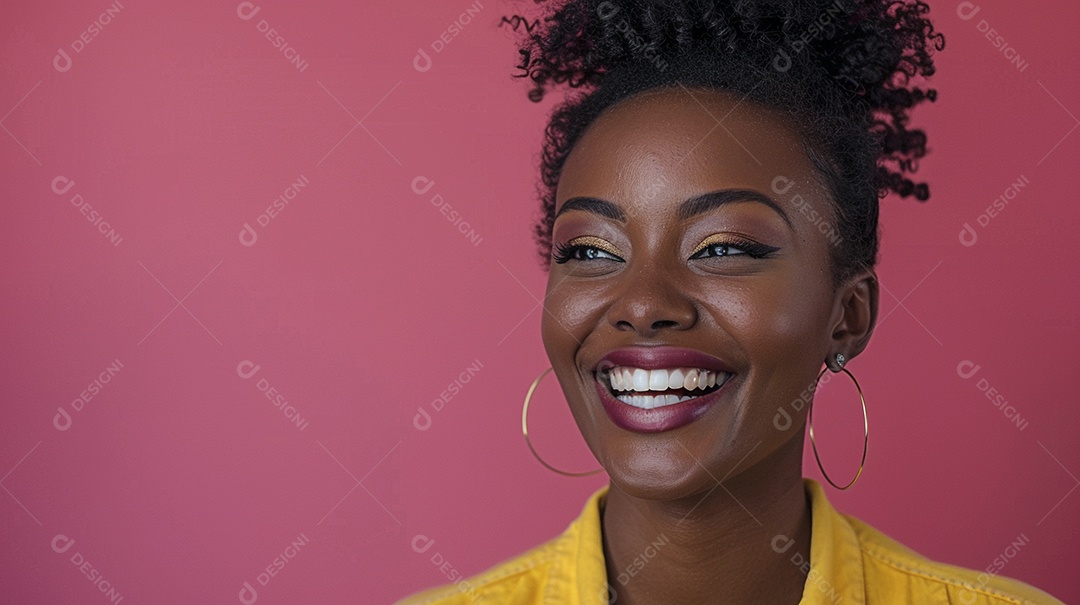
{"x": 662, "y": 357}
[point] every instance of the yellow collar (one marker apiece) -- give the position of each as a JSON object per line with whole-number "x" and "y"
{"x": 834, "y": 574}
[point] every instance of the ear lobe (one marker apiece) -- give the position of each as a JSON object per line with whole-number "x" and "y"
{"x": 855, "y": 314}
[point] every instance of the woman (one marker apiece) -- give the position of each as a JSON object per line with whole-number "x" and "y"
{"x": 710, "y": 203}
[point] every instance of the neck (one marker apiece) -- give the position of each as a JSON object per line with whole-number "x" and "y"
{"x": 716, "y": 546}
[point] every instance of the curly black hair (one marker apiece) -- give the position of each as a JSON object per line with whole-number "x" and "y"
{"x": 848, "y": 71}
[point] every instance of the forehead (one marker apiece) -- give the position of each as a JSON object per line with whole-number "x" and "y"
{"x": 674, "y": 143}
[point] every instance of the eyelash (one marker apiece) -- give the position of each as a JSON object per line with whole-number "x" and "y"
{"x": 565, "y": 252}
{"x": 751, "y": 249}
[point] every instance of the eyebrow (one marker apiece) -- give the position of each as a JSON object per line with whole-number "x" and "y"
{"x": 690, "y": 208}
{"x": 594, "y": 205}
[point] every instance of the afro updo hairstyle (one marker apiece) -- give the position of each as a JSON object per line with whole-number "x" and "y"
{"x": 848, "y": 72}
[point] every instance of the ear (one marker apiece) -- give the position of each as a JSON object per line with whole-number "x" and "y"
{"x": 854, "y": 315}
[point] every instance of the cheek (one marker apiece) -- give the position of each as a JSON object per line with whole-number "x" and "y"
{"x": 775, "y": 319}
{"x": 571, "y": 312}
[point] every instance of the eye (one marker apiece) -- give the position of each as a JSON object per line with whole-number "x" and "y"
{"x": 585, "y": 249}
{"x": 728, "y": 246}
{"x": 719, "y": 250}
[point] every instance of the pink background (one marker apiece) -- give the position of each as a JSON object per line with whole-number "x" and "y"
{"x": 360, "y": 301}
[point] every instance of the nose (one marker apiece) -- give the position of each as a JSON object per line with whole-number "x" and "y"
{"x": 650, "y": 300}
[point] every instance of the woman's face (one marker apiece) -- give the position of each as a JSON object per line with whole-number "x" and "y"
{"x": 695, "y": 234}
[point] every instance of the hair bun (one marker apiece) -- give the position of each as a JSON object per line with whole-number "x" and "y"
{"x": 851, "y": 70}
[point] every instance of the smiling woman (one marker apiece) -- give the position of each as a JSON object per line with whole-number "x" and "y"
{"x": 710, "y": 232}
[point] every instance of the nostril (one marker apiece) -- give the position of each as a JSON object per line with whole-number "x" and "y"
{"x": 664, "y": 323}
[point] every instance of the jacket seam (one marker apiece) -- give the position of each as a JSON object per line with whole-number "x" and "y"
{"x": 540, "y": 558}
{"x": 878, "y": 555}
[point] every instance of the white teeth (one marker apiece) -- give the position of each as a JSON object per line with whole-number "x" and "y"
{"x": 638, "y": 380}
{"x": 675, "y": 378}
{"x": 658, "y": 380}
{"x": 648, "y": 402}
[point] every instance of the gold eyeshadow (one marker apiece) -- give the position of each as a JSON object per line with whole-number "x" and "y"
{"x": 712, "y": 240}
{"x": 595, "y": 242}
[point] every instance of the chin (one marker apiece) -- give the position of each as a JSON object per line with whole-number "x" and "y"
{"x": 658, "y": 467}
{"x": 652, "y": 481}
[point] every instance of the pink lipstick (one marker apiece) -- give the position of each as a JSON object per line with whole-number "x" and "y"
{"x": 659, "y": 388}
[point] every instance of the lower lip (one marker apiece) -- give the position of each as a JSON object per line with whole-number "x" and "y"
{"x": 656, "y": 420}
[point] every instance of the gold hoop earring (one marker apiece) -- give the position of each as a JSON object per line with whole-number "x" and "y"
{"x": 525, "y": 431}
{"x": 866, "y": 428}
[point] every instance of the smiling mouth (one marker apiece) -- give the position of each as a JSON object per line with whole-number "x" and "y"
{"x": 650, "y": 389}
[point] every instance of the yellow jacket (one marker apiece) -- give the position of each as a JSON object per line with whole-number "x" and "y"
{"x": 850, "y": 563}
